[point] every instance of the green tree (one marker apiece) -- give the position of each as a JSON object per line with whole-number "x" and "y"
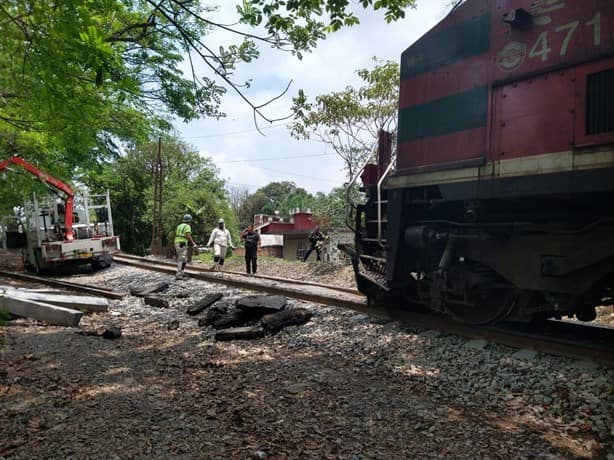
{"x": 191, "y": 185}
{"x": 349, "y": 120}
{"x": 253, "y": 204}
{"x": 77, "y": 76}
{"x": 331, "y": 209}
{"x": 299, "y": 24}
{"x": 276, "y": 198}
{"x": 284, "y": 197}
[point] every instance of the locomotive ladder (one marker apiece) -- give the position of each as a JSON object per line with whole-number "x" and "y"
{"x": 373, "y": 239}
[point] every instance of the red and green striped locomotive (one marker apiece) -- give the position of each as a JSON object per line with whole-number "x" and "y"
{"x": 500, "y": 202}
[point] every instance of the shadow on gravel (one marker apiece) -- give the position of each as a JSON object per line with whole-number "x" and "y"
{"x": 65, "y": 394}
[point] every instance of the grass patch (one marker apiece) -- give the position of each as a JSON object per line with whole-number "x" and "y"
{"x": 207, "y": 257}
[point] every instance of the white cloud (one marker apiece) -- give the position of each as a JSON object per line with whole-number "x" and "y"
{"x": 330, "y": 67}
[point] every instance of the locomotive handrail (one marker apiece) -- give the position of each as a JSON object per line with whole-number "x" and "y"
{"x": 347, "y": 194}
{"x": 379, "y": 200}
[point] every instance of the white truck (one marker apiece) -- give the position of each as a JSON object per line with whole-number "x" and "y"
{"x": 65, "y": 229}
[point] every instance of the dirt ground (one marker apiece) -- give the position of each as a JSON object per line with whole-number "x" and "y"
{"x": 343, "y": 386}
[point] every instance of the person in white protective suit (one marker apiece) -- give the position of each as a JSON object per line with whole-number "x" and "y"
{"x": 221, "y": 241}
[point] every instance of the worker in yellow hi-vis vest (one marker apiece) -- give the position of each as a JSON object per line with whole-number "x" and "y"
{"x": 183, "y": 237}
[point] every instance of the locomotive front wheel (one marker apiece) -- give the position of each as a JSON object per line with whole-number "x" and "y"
{"x": 488, "y": 305}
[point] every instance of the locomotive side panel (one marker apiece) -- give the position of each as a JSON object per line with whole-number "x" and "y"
{"x": 444, "y": 94}
{"x": 521, "y": 129}
{"x": 450, "y": 76}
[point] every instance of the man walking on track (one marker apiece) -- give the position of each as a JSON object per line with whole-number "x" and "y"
{"x": 183, "y": 235}
{"x": 220, "y": 238}
{"x": 252, "y": 246}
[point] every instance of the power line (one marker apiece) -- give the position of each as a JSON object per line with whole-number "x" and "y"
{"x": 232, "y": 133}
{"x": 300, "y": 175}
{"x": 257, "y": 187}
{"x": 278, "y": 158}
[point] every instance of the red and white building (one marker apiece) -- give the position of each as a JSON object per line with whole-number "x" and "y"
{"x": 285, "y": 239}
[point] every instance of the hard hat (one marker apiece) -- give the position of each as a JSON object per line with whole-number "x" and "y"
{"x": 220, "y": 221}
{"x": 187, "y": 218}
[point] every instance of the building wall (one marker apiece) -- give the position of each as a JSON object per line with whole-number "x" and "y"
{"x": 278, "y": 227}
{"x": 303, "y": 221}
{"x": 330, "y": 252}
{"x": 291, "y": 245}
{"x": 335, "y": 237}
{"x": 296, "y": 245}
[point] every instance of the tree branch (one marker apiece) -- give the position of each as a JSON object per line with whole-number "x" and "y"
{"x": 18, "y": 23}
{"x": 117, "y": 36}
{"x": 255, "y": 108}
{"x": 268, "y": 40}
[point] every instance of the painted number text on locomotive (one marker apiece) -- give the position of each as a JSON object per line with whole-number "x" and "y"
{"x": 542, "y": 49}
{"x": 514, "y": 53}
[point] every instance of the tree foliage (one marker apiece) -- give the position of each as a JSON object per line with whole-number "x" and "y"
{"x": 283, "y": 198}
{"x": 77, "y": 76}
{"x": 330, "y": 210}
{"x": 191, "y": 185}
{"x": 277, "y": 198}
{"x": 349, "y": 120}
{"x": 299, "y": 24}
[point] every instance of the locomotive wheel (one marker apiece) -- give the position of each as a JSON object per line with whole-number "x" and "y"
{"x": 490, "y": 304}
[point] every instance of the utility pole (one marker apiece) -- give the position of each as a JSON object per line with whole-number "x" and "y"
{"x": 158, "y": 182}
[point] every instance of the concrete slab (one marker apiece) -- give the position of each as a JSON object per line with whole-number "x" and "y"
{"x": 51, "y": 314}
{"x": 75, "y": 302}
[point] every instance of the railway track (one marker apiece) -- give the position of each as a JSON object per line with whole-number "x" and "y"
{"x": 123, "y": 257}
{"x": 95, "y": 291}
{"x": 553, "y": 337}
{"x": 303, "y": 290}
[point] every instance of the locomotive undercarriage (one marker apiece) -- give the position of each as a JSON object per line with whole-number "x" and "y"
{"x": 488, "y": 260}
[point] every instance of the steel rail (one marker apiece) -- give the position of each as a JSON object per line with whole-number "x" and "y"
{"x": 264, "y": 277}
{"x": 552, "y": 337}
{"x": 64, "y": 284}
{"x": 326, "y": 295}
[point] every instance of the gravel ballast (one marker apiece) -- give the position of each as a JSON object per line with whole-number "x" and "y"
{"x": 342, "y": 385}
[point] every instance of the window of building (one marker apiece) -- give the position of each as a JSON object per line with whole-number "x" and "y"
{"x": 301, "y": 250}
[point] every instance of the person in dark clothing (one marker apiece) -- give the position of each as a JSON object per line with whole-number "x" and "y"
{"x": 252, "y": 246}
{"x": 314, "y": 241}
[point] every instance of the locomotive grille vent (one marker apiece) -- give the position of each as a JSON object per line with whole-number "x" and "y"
{"x": 600, "y": 102}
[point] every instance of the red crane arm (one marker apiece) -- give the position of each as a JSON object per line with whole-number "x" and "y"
{"x": 56, "y": 183}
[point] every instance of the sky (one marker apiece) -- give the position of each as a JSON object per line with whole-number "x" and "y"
{"x": 246, "y": 158}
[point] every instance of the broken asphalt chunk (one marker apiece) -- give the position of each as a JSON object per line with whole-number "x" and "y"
{"x": 141, "y": 291}
{"x": 262, "y": 304}
{"x": 203, "y": 303}
{"x": 239, "y": 333}
{"x": 277, "y": 321}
